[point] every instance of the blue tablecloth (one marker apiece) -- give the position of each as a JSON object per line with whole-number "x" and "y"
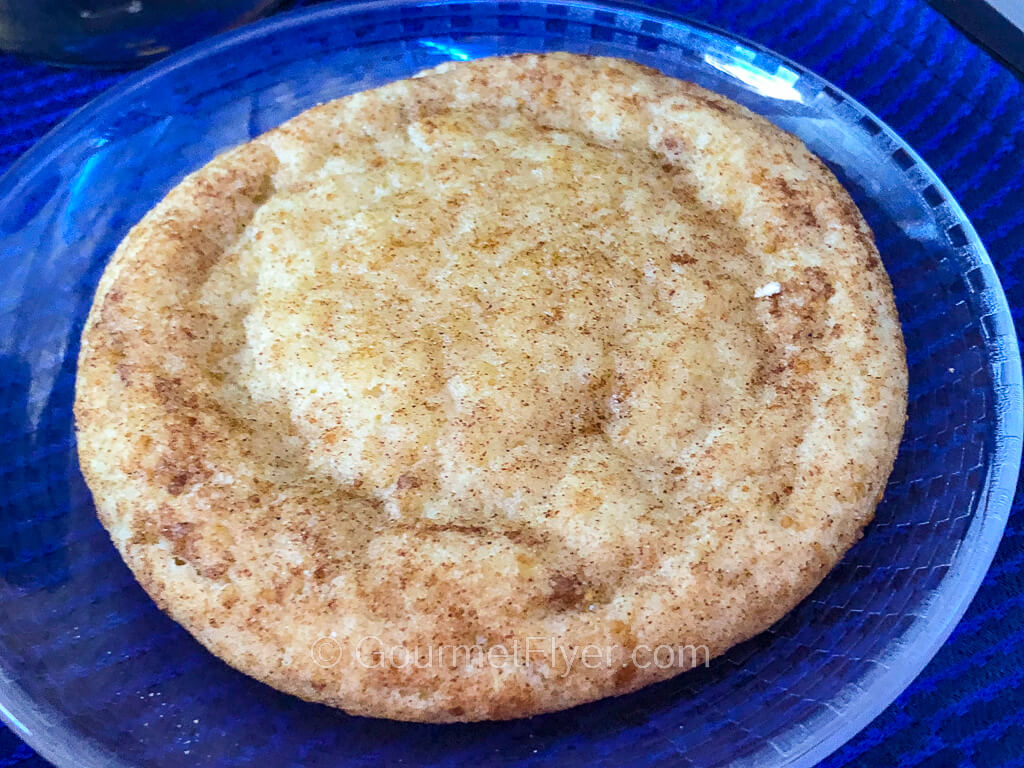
{"x": 965, "y": 114}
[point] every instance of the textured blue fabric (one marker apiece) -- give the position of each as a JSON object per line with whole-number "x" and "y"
{"x": 965, "y": 114}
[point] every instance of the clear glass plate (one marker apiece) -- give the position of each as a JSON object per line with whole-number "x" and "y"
{"x": 92, "y": 674}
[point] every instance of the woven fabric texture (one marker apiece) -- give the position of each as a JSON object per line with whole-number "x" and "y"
{"x": 964, "y": 113}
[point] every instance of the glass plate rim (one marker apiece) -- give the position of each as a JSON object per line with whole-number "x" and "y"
{"x": 954, "y": 593}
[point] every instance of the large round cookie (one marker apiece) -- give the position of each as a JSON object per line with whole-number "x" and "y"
{"x": 518, "y": 384}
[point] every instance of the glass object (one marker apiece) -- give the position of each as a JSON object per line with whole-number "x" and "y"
{"x": 116, "y": 33}
{"x": 93, "y": 674}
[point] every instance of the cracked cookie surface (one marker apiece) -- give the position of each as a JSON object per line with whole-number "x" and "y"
{"x": 539, "y": 346}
